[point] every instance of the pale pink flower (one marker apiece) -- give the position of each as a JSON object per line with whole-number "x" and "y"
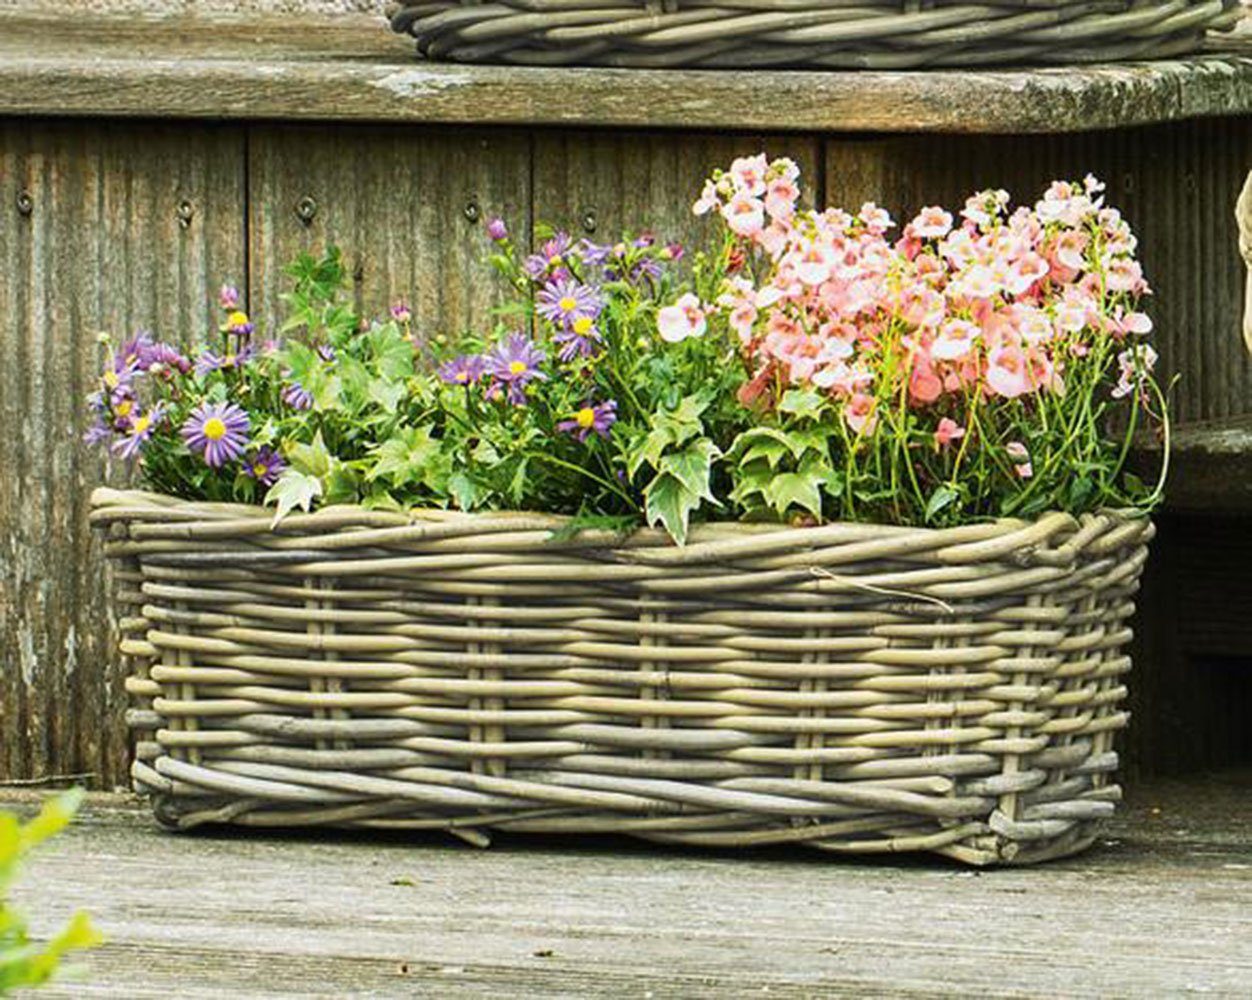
{"x": 932, "y": 223}
{"x": 1025, "y": 272}
{"x": 748, "y": 173}
{"x": 744, "y": 215}
{"x": 773, "y": 238}
{"x": 956, "y": 339}
{"x": 813, "y": 264}
{"x": 1017, "y": 451}
{"x": 685, "y": 318}
{"x": 1025, "y": 470}
{"x": 1131, "y": 322}
{"x": 780, "y": 198}
{"x": 1007, "y": 372}
{"x": 1070, "y": 247}
{"x": 947, "y": 432}
{"x": 1123, "y": 275}
{"x": 924, "y": 385}
{"x": 877, "y": 220}
{"x": 708, "y": 199}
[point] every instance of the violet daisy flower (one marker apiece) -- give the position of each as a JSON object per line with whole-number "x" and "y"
{"x": 591, "y": 419}
{"x": 580, "y": 339}
{"x": 596, "y": 254}
{"x": 166, "y": 358}
{"x": 298, "y": 397}
{"x": 515, "y": 363}
{"x": 210, "y": 361}
{"x": 265, "y": 466}
{"x": 218, "y": 431}
{"x": 535, "y": 266}
{"x": 326, "y": 352}
{"x": 228, "y": 297}
{"x": 401, "y": 312}
{"x": 465, "y": 370}
{"x": 137, "y": 433}
{"x": 560, "y": 302}
{"x": 133, "y": 355}
{"x": 497, "y": 230}
{"x": 558, "y": 246}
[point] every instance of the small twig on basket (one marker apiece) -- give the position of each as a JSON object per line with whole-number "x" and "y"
{"x": 47, "y": 779}
{"x": 822, "y": 571}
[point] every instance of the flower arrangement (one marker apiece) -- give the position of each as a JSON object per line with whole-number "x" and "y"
{"x": 806, "y": 367}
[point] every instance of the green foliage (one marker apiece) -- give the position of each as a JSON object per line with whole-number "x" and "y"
{"x": 24, "y": 963}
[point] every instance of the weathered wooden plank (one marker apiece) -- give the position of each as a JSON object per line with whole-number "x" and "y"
{"x": 354, "y": 69}
{"x": 1177, "y": 184}
{"x": 599, "y": 184}
{"x": 1161, "y": 908}
{"x": 406, "y": 206}
{"x": 90, "y": 240}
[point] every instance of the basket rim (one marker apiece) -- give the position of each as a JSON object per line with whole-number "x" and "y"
{"x": 974, "y": 538}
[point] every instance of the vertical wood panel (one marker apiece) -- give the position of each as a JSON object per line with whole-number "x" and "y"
{"x": 1177, "y": 185}
{"x": 599, "y": 184}
{"x": 102, "y": 249}
{"x": 395, "y": 200}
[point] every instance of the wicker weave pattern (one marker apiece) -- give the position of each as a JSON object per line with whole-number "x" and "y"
{"x": 852, "y": 687}
{"x": 831, "y": 34}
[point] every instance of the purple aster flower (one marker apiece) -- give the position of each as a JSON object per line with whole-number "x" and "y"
{"x": 515, "y": 363}
{"x": 401, "y": 312}
{"x": 646, "y": 266}
{"x": 265, "y": 466}
{"x": 137, "y": 433}
{"x": 218, "y": 431}
{"x": 298, "y": 397}
{"x": 563, "y": 301}
{"x": 644, "y": 241}
{"x": 497, "y": 230}
{"x": 558, "y": 246}
{"x": 132, "y": 356}
{"x": 673, "y": 251}
{"x": 596, "y": 254}
{"x": 591, "y": 419}
{"x": 465, "y": 370}
{"x": 326, "y": 352}
{"x": 166, "y": 358}
{"x": 580, "y": 339}
{"x": 97, "y": 433}
{"x": 210, "y": 361}
{"x": 237, "y": 324}
{"x": 535, "y": 266}
{"x": 228, "y": 297}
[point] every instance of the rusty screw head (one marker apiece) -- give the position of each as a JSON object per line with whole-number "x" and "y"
{"x": 185, "y": 213}
{"x": 25, "y": 203}
{"x": 471, "y": 211}
{"x": 306, "y": 209}
{"x": 589, "y": 220}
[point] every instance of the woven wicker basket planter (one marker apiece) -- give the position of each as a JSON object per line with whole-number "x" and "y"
{"x": 850, "y": 687}
{"x": 830, "y": 34}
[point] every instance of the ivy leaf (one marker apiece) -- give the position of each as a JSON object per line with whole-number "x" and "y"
{"x": 670, "y": 504}
{"x": 751, "y": 482}
{"x": 386, "y": 394}
{"x": 392, "y": 353}
{"x": 941, "y": 498}
{"x": 293, "y": 489}
{"x": 801, "y": 489}
{"x": 804, "y": 404}
{"x": 313, "y": 459}
{"x": 410, "y": 457}
{"x": 463, "y": 490}
{"x": 693, "y": 466}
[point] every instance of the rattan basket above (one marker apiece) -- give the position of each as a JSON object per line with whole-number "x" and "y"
{"x": 832, "y": 34}
{"x": 850, "y": 687}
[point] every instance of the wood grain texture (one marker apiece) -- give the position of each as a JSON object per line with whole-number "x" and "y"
{"x": 102, "y": 248}
{"x": 407, "y": 207}
{"x": 1176, "y": 184}
{"x": 1162, "y": 908}
{"x": 353, "y": 69}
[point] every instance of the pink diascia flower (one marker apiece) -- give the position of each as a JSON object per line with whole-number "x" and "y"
{"x": 932, "y": 223}
{"x": 685, "y": 318}
{"x": 859, "y": 413}
{"x": 745, "y": 215}
{"x": 1017, "y": 453}
{"x": 1008, "y": 374}
{"x": 947, "y": 432}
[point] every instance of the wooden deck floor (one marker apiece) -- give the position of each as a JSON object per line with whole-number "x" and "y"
{"x": 1162, "y": 908}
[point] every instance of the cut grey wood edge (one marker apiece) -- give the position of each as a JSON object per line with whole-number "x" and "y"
{"x": 352, "y": 69}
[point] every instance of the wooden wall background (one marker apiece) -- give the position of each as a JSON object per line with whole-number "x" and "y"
{"x": 121, "y": 226}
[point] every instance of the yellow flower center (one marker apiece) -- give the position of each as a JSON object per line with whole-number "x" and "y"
{"x": 586, "y": 417}
{"x": 568, "y": 304}
{"x": 582, "y": 325}
{"x": 517, "y": 367}
{"x": 141, "y": 424}
{"x": 123, "y": 408}
{"x": 237, "y": 318}
{"x": 110, "y": 379}
{"x": 228, "y": 361}
{"x": 259, "y": 469}
{"x": 214, "y": 429}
